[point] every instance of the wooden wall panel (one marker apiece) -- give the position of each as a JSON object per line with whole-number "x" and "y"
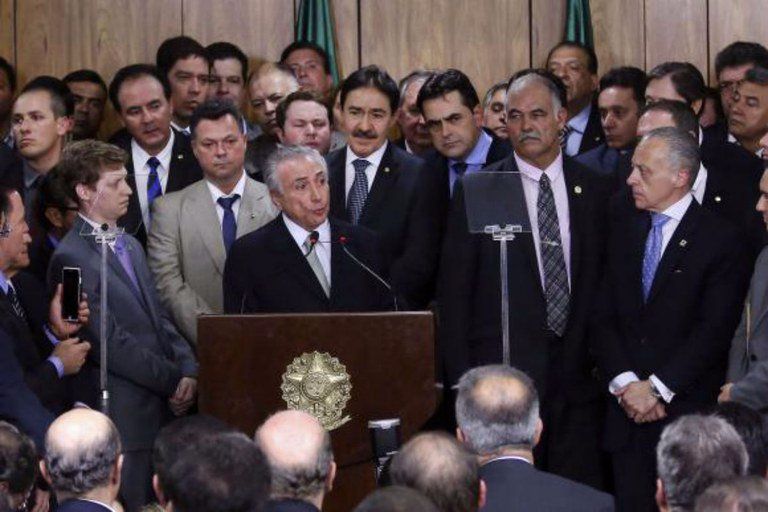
{"x": 344, "y": 13}
{"x": 260, "y": 28}
{"x": 488, "y": 40}
{"x": 617, "y": 27}
{"x": 7, "y": 30}
{"x": 547, "y": 26}
{"x": 735, "y": 20}
{"x": 676, "y": 30}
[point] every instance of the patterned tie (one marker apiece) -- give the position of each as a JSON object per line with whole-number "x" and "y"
{"x": 359, "y": 191}
{"x": 552, "y": 259}
{"x": 652, "y": 251}
{"x": 564, "y": 134}
{"x": 460, "y": 168}
{"x": 18, "y": 309}
{"x": 314, "y": 263}
{"x": 153, "y": 181}
{"x": 123, "y": 256}
{"x": 228, "y": 223}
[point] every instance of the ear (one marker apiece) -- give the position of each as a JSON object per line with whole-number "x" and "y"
{"x": 158, "y": 490}
{"x": 482, "y": 494}
{"x": 83, "y": 192}
{"x": 54, "y": 217}
{"x": 477, "y": 115}
{"x": 275, "y": 196}
{"x": 697, "y": 106}
{"x": 595, "y": 82}
{"x": 460, "y": 436}
{"x": 64, "y": 125}
{"x": 684, "y": 178}
{"x": 539, "y": 430}
{"x": 43, "y": 472}
{"x": 280, "y": 135}
{"x": 331, "y": 478}
{"x": 118, "y": 470}
{"x": 562, "y": 118}
{"x": 661, "y": 497}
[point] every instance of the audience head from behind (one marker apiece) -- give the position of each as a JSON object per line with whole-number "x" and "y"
{"x": 693, "y": 453}
{"x": 141, "y": 96}
{"x": 303, "y": 119}
{"x": 173, "y": 439}
{"x": 229, "y": 71}
{"x": 442, "y": 469}
{"x": 396, "y": 498}
{"x": 497, "y": 412}
{"x": 7, "y": 91}
{"x": 622, "y": 95}
{"x": 494, "y": 112}
{"x": 220, "y": 473}
{"x": 576, "y": 65}
{"x": 668, "y": 114}
{"x": 677, "y": 81}
{"x": 297, "y": 178}
{"x": 740, "y": 494}
{"x": 536, "y": 116}
{"x": 89, "y": 93}
{"x": 369, "y": 100}
{"x": 750, "y": 426}
{"x": 185, "y": 65}
{"x": 452, "y": 112}
{"x": 416, "y": 137}
{"x": 310, "y": 64}
{"x": 748, "y": 120}
{"x": 41, "y": 119}
{"x": 18, "y": 466}
{"x": 55, "y": 211}
{"x": 94, "y": 176}
{"x": 268, "y": 85}
{"x": 298, "y": 450}
{"x": 83, "y": 458}
{"x": 732, "y": 63}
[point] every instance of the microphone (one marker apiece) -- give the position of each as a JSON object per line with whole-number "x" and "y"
{"x": 314, "y": 237}
{"x": 343, "y": 242}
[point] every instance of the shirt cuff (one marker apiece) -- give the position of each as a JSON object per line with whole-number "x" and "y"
{"x": 49, "y": 334}
{"x": 56, "y": 362}
{"x": 622, "y": 380}
{"x": 665, "y": 392}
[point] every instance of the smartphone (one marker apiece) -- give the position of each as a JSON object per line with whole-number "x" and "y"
{"x": 70, "y": 298}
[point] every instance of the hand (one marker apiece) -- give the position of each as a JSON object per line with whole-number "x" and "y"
{"x": 184, "y": 396}
{"x": 725, "y": 393}
{"x": 61, "y": 328}
{"x": 637, "y": 400}
{"x": 42, "y": 500}
{"x": 659, "y": 412}
{"x": 72, "y": 353}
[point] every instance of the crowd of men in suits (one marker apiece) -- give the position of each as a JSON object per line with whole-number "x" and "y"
{"x": 647, "y": 204}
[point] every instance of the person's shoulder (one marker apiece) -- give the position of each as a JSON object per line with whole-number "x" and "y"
{"x": 579, "y": 494}
{"x": 404, "y": 158}
{"x": 259, "y": 238}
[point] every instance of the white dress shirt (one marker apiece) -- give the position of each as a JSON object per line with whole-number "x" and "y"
{"x": 141, "y": 172}
{"x": 530, "y": 178}
{"x": 322, "y": 247}
{"x": 578, "y": 125}
{"x": 676, "y": 212}
{"x": 374, "y": 160}
{"x": 216, "y": 193}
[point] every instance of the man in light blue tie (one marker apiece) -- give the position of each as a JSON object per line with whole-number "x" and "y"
{"x": 674, "y": 281}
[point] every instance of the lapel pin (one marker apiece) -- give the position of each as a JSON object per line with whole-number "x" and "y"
{"x": 253, "y": 215}
{"x": 683, "y": 243}
{"x": 717, "y": 199}
{"x": 179, "y": 157}
{"x": 577, "y": 189}
{"x": 386, "y": 169}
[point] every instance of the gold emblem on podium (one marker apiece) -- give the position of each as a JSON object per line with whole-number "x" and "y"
{"x": 319, "y": 384}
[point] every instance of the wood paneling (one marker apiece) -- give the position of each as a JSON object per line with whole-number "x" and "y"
{"x": 676, "y": 30}
{"x": 618, "y": 33}
{"x": 260, "y": 28}
{"x": 735, "y": 20}
{"x": 7, "y": 30}
{"x": 344, "y": 13}
{"x": 488, "y": 40}
{"x": 548, "y": 26}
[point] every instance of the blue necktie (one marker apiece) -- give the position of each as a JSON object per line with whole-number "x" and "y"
{"x": 359, "y": 191}
{"x": 652, "y": 251}
{"x": 153, "y": 181}
{"x": 228, "y": 223}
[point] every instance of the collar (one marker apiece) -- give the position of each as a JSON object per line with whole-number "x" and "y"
{"x": 553, "y": 172}
{"x": 30, "y": 175}
{"x": 299, "y": 234}
{"x": 374, "y": 158}
{"x": 216, "y": 192}
{"x": 677, "y": 210}
{"x": 95, "y": 225}
{"x": 701, "y": 178}
{"x": 142, "y": 156}
{"x": 479, "y": 153}
{"x": 507, "y": 457}
{"x": 8, "y": 139}
{"x": 578, "y": 123}
{"x": 181, "y": 129}
{"x": 97, "y": 503}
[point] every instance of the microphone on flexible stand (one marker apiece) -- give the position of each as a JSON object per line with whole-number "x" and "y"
{"x": 343, "y": 242}
{"x": 314, "y": 237}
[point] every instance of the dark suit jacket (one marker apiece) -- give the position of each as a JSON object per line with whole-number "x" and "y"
{"x": 682, "y": 333}
{"x": 184, "y": 170}
{"x": 8, "y": 159}
{"x": 147, "y": 357}
{"x": 514, "y": 485}
{"x": 391, "y": 210}
{"x": 602, "y": 159}
{"x": 266, "y": 272}
{"x": 18, "y": 404}
{"x": 290, "y": 505}
{"x": 593, "y": 133}
{"x": 469, "y": 291}
{"x": 76, "y": 505}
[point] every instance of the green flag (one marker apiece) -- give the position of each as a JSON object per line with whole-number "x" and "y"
{"x": 578, "y": 24}
{"x": 315, "y": 24}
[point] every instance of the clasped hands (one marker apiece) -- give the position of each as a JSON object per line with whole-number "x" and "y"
{"x": 640, "y": 404}
{"x": 184, "y": 396}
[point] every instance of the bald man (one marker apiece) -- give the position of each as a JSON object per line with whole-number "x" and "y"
{"x": 83, "y": 461}
{"x": 299, "y": 452}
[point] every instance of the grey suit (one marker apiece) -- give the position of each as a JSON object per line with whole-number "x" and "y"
{"x": 748, "y": 359}
{"x": 186, "y": 250}
{"x": 147, "y": 357}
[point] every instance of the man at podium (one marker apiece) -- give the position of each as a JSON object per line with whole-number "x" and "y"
{"x": 302, "y": 261}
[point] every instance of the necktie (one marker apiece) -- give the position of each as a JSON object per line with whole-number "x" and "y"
{"x": 564, "y": 133}
{"x": 359, "y": 191}
{"x": 15, "y": 303}
{"x": 153, "y": 181}
{"x": 652, "y": 251}
{"x": 552, "y": 259}
{"x": 314, "y": 263}
{"x": 121, "y": 251}
{"x": 228, "y": 223}
{"x": 460, "y": 168}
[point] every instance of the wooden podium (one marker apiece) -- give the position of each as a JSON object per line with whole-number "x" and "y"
{"x": 389, "y": 358}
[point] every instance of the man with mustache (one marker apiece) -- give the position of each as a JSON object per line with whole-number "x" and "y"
{"x": 553, "y": 271}
{"x": 160, "y": 159}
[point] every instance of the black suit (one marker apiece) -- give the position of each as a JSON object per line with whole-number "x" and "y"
{"x": 391, "y": 210}
{"x": 289, "y": 505}
{"x": 470, "y": 323}
{"x": 267, "y": 272}
{"x": 593, "y": 133}
{"x": 515, "y": 485}
{"x": 77, "y": 505}
{"x": 184, "y": 170}
{"x": 681, "y": 333}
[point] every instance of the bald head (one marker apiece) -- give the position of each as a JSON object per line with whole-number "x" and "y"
{"x": 299, "y": 452}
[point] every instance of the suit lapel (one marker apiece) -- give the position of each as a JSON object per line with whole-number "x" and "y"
{"x": 294, "y": 263}
{"x": 575, "y": 190}
{"x": 385, "y": 178}
{"x": 336, "y": 164}
{"x": 201, "y": 211}
{"x": 248, "y": 217}
{"x": 177, "y": 166}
